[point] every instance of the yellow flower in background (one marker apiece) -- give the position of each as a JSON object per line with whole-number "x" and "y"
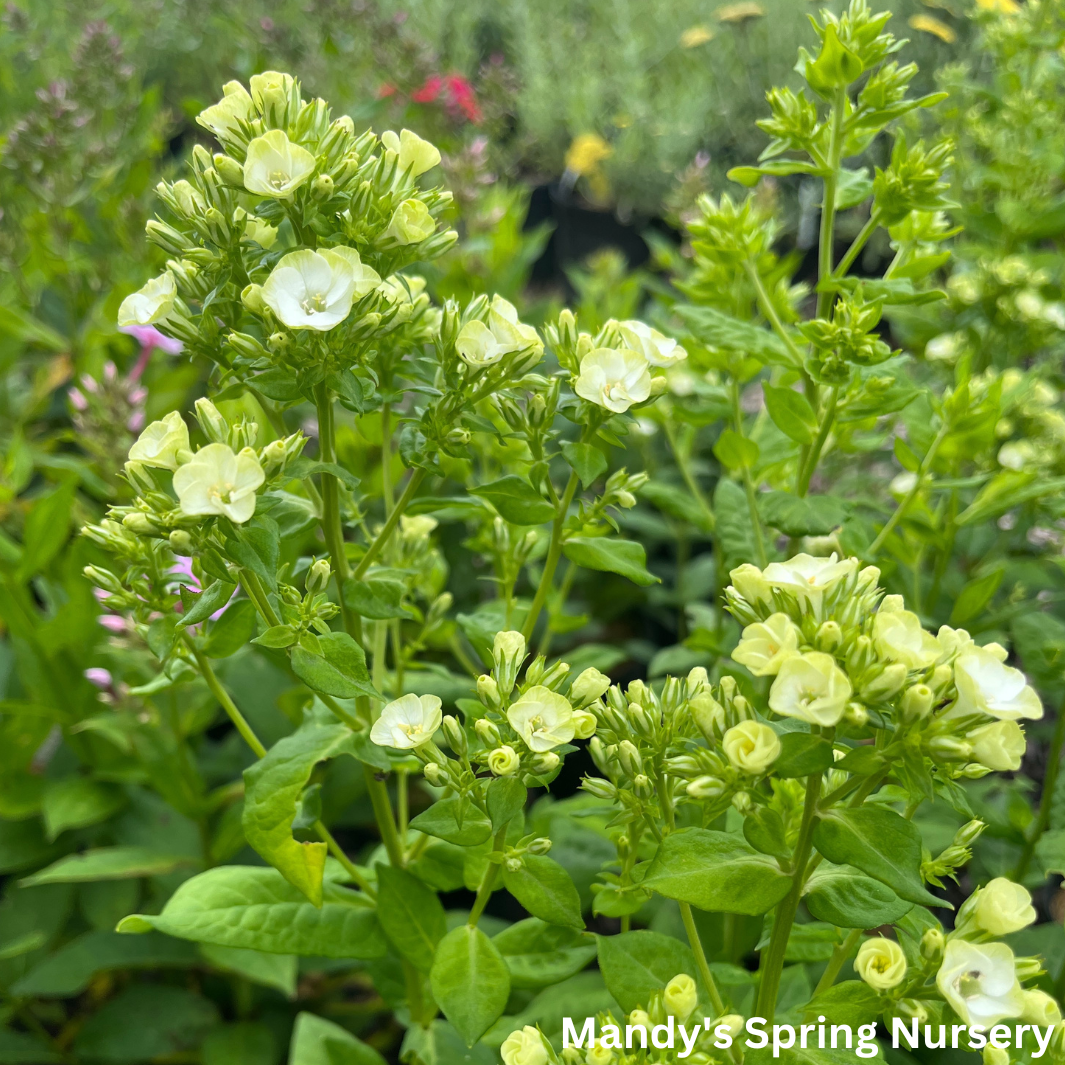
{"x": 586, "y": 153}
{"x": 739, "y": 13}
{"x": 1003, "y": 7}
{"x": 928, "y": 24}
{"x": 694, "y": 36}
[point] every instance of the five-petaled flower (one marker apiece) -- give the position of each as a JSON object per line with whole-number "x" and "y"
{"x": 613, "y": 378}
{"x": 407, "y": 722}
{"x": 217, "y": 481}
{"x": 315, "y": 289}
{"x": 543, "y": 719}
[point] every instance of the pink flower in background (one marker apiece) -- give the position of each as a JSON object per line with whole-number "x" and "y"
{"x": 149, "y": 338}
{"x": 113, "y": 623}
{"x": 77, "y": 399}
{"x": 99, "y": 677}
{"x": 453, "y": 91}
{"x": 181, "y": 571}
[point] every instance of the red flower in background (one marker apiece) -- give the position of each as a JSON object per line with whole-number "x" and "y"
{"x": 453, "y": 91}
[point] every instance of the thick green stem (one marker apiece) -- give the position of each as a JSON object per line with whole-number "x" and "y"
{"x": 382, "y": 808}
{"x": 828, "y": 418}
{"x": 859, "y": 242}
{"x": 773, "y": 960}
{"x": 1050, "y": 781}
{"x": 700, "y": 959}
{"x": 900, "y": 510}
{"x": 835, "y": 963}
{"x": 828, "y": 205}
{"x": 382, "y": 538}
{"x": 257, "y": 594}
{"x": 554, "y": 552}
{"x": 488, "y": 880}
{"x": 563, "y": 595}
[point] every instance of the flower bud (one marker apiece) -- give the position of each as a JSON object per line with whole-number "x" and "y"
{"x": 860, "y": 655}
{"x": 1029, "y": 968}
{"x": 140, "y": 524}
{"x": 629, "y": 757}
{"x": 229, "y": 170}
{"x": 273, "y": 457}
{"x": 540, "y": 845}
{"x": 743, "y": 803}
{"x": 589, "y": 686}
{"x": 949, "y": 749}
{"x": 912, "y": 1008}
{"x": 932, "y": 944}
{"x": 697, "y": 682}
{"x": 917, "y": 702}
{"x": 436, "y": 775}
{"x": 278, "y": 343}
{"x": 886, "y": 685}
{"x": 995, "y": 1056}
{"x": 708, "y": 714}
{"x": 680, "y": 997}
{"x": 458, "y": 437}
{"x": 626, "y": 500}
{"x": 706, "y": 787}
{"x": 550, "y": 677}
{"x": 508, "y": 653}
{"x": 584, "y": 725}
{"x": 856, "y": 714}
{"x": 181, "y": 542}
{"x": 454, "y": 734}
{"x": 942, "y": 677}
{"x": 1040, "y": 1008}
{"x": 322, "y": 187}
{"x": 214, "y": 426}
{"x": 487, "y": 731}
{"x": 504, "y": 761}
{"x": 641, "y": 784}
{"x": 829, "y": 637}
{"x": 318, "y": 576}
{"x": 488, "y": 691}
{"x": 545, "y": 763}
{"x": 600, "y": 788}
{"x": 881, "y": 963}
{"x": 167, "y": 237}
{"x": 103, "y": 578}
{"x": 139, "y": 478}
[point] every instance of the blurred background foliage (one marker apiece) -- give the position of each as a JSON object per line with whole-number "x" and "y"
{"x": 577, "y": 148}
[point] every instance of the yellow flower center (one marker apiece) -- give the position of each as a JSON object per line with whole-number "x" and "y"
{"x": 221, "y": 492}
{"x": 969, "y": 984}
{"x": 314, "y": 303}
{"x": 278, "y": 179}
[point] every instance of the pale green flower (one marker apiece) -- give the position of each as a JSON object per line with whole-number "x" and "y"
{"x": 411, "y": 223}
{"x": 223, "y": 118}
{"x": 680, "y": 997}
{"x": 407, "y": 722}
{"x": 899, "y": 636}
{"x": 543, "y": 718}
{"x": 613, "y": 378}
{"x": 979, "y": 981}
{"x": 999, "y": 746}
{"x": 482, "y": 345}
{"x": 808, "y": 578}
{"x": 986, "y": 685}
{"x": 657, "y": 349}
{"x": 150, "y": 304}
{"x": 881, "y": 963}
{"x": 276, "y": 167}
{"x": 811, "y": 687}
{"x": 524, "y": 1047}
{"x": 161, "y": 443}
{"x": 415, "y": 154}
{"x": 766, "y": 644}
{"x": 216, "y": 481}
{"x": 751, "y": 746}
{"x": 315, "y": 289}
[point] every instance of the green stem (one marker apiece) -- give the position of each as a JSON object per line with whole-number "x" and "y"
{"x": 773, "y": 959}
{"x": 207, "y": 672}
{"x": 700, "y": 959}
{"x": 748, "y": 484}
{"x": 767, "y": 308}
{"x": 349, "y": 866}
{"x": 926, "y": 465}
{"x": 382, "y": 538}
{"x": 257, "y": 594}
{"x": 828, "y": 204}
{"x": 331, "y": 526}
{"x": 859, "y": 242}
{"x": 386, "y": 458}
{"x": 680, "y": 457}
{"x": 828, "y": 418}
{"x": 563, "y": 595}
{"x": 554, "y": 552}
{"x": 382, "y": 809}
{"x": 488, "y": 880}
{"x": 1050, "y": 781}
{"x": 835, "y": 963}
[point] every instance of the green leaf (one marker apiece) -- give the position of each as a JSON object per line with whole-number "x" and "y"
{"x": 808, "y": 516}
{"x": 278, "y": 971}
{"x": 20, "y": 1048}
{"x": 545, "y": 889}
{"x": 975, "y": 596}
{"x": 232, "y": 631}
{"x": 791, "y": 413}
{"x": 376, "y": 598}
{"x": 316, "y": 1041}
{"x": 610, "y": 555}
{"x": 179, "y": 1020}
{"x": 836, "y": 65}
{"x": 257, "y": 547}
{"x": 411, "y": 915}
{"x": 763, "y": 829}
{"x": 76, "y": 802}
{"x": 716, "y": 872}
{"x": 749, "y": 176}
{"x": 46, "y": 529}
{"x": 635, "y": 965}
{"x": 801, "y": 754}
{"x": 23, "y": 846}
{"x": 243, "y": 1043}
{"x": 455, "y": 820}
{"x": 852, "y": 187}
{"x": 257, "y": 908}
{"x": 306, "y": 467}
{"x": 677, "y": 503}
{"x": 516, "y": 500}
{"x": 21, "y": 325}
{"x": 539, "y": 954}
{"x": 734, "y": 451}
{"x": 339, "y": 671}
{"x": 851, "y": 1002}
{"x": 881, "y": 844}
{"x": 470, "y": 981}
{"x": 505, "y": 798}
{"x": 277, "y": 636}
{"x": 721, "y": 330}
{"x": 586, "y": 460}
{"x": 1050, "y": 850}
{"x": 733, "y": 524}
{"x": 278, "y": 384}
{"x": 1005, "y": 491}
{"x": 844, "y": 897}
{"x": 199, "y": 606}
{"x": 70, "y": 970}
{"x": 107, "y": 863}
{"x": 272, "y": 790}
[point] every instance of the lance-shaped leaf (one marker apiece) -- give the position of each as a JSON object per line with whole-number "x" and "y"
{"x": 340, "y": 670}
{"x": 108, "y": 863}
{"x": 272, "y": 790}
{"x": 411, "y": 915}
{"x": 716, "y": 871}
{"x": 880, "y": 843}
{"x": 516, "y": 500}
{"x": 625, "y": 557}
{"x": 316, "y": 1041}
{"x": 545, "y": 889}
{"x": 470, "y": 981}
{"x": 539, "y": 954}
{"x": 258, "y": 909}
{"x": 845, "y": 898}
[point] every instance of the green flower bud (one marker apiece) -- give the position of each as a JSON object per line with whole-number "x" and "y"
{"x": 318, "y": 576}
{"x": 181, "y": 542}
{"x": 214, "y": 426}
{"x": 886, "y": 685}
{"x": 588, "y": 687}
{"x": 454, "y": 734}
{"x": 436, "y": 775}
{"x": 322, "y": 187}
{"x": 252, "y": 298}
{"x": 103, "y": 578}
{"x": 487, "y": 731}
{"x": 600, "y": 788}
{"x": 829, "y": 637}
{"x": 540, "y": 845}
{"x": 917, "y": 702}
{"x": 932, "y": 944}
{"x": 140, "y": 524}
{"x": 229, "y": 170}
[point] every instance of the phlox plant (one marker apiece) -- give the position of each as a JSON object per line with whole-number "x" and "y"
{"x": 747, "y": 841}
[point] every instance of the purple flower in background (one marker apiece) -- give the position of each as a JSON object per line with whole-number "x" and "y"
{"x": 149, "y": 338}
{"x": 98, "y": 676}
{"x": 182, "y": 571}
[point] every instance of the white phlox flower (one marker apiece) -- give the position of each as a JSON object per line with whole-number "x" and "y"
{"x": 217, "y": 481}
{"x": 276, "y": 167}
{"x": 407, "y": 722}
{"x": 899, "y": 636}
{"x": 986, "y": 685}
{"x": 613, "y": 378}
{"x": 150, "y": 304}
{"x": 161, "y": 443}
{"x": 543, "y": 719}
{"x": 315, "y": 289}
{"x": 224, "y": 118}
{"x": 808, "y": 578}
{"x": 979, "y": 981}
{"x": 657, "y": 349}
{"x": 415, "y": 154}
{"x": 766, "y": 644}
{"x": 811, "y": 687}
{"x": 483, "y": 345}
{"x": 411, "y": 223}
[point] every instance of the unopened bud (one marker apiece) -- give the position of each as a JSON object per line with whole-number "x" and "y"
{"x": 272, "y": 458}
{"x": 917, "y": 702}
{"x": 588, "y": 687}
{"x": 641, "y": 784}
{"x": 584, "y": 725}
{"x": 278, "y": 343}
{"x": 318, "y": 576}
{"x": 540, "y": 845}
{"x": 629, "y": 757}
{"x": 181, "y": 542}
{"x": 214, "y": 426}
{"x": 458, "y": 437}
{"x": 140, "y": 524}
{"x": 742, "y": 801}
{"x": 600, "y": 788}
{"x": 322, "y": 187}
{"x": 252, "y": 298}
{"x": 139, "y": 477}
{"x": 229, "y": 170}
{"x": 436, "y": 775}
{"x": 856, "y": 714}
{"x": 829, "y": 636}
{"x": 508, "y": 653}
{"x": 707, "y": 713}
{"x": 886, "y": 685}
{"x": 504, "y": 761}
{"x": 626, "y": 500}
{"x": 942, "y": 677}
{"x": 488, "y": 691}
{"x": 932, "y": 944}
{"x": 454, "y": 734}
{"x": 545, "y": 763}
{"x": 103, "y": 578}
{"x": 706, "y": 787}
{"x": 487, "y": 731}
{"x": 949, "y": 749}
